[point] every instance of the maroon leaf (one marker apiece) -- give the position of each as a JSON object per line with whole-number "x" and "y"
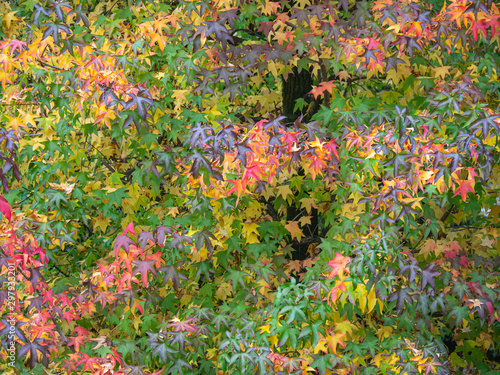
{"x": 143, "y": 267}
{"x": 122, "y": 241}
{"x": 172, "y": 274}
{"x": 428, "y": 275}
{"x": 33, "y": 347}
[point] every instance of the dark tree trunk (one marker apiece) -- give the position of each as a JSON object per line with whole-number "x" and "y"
{"x": 296, "y": 86}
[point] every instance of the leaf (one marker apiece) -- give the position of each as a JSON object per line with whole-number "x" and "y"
{"x": 460, "y": 312}
{"x": 392, "y": 62}
{"x": 308, "y": 204}
{"x": 54, "y": 30}
{"x": 463, "y": 187}
{"x": 171, "y": 273}
{"x": 142, "y": 101}
{"x": 143, "y": 267}
{"x": 322, "y": 87}
{"x": 162, "y": 350}
{"x": 295, "y": 231}
{"x": 428, "y": 275}
{"x": 5, "y": 208}
{"x": 122, "y": 241}
{"x": 372, "y": 300}
{"x": 101, "y": 222}
{"x": 284, "y": 191}
{"x": 400, "y": 296}
{"x": 456, "y": 360}
{"x": 412, "y": 268}
{"x": 223, "y": 291}
{"x": 34, "y": 275}
{"x": 338, "y": 264}
{"x": 182, "y": 326}
{"x": 17, "y": 330}
{"x": 33, "y": 348}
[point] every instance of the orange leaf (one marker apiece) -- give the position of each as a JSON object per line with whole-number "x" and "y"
{"x": 295, "y": 231}
{"x": 335, "y": 340}
{"x": 323, "y": 86}
{"x": 338, "y": 265}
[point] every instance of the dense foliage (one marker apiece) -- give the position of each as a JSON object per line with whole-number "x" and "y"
{"x": 233, "y": 187}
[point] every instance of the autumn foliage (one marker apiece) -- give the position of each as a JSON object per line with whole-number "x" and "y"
{"x": 162, "y": 214}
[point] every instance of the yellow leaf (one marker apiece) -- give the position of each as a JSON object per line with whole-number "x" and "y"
{"x": 211, "y": 353}
{"x": 273, "y": 340}
{"x": 180, "y": 97}
{"x": 302, "y": 4}
{"x": 250, "y": 232}
{"x": 173, "y": 211}
{"x": 284, "y": 191}
{"x": 269, "y": 7}
{"x": 101, "y": 222}
{"x": 27, "y": 117}
{"x": 305, "y": 220}
{"x": 212, "y": 113}
{"x": 8, "y": 18}
{"x": 360, "y": 294}
{"x": 110, "y": 189}
{"x": 345, "y": 327}
{"x": 265, "y": 328}
{"x": 415, "y": 202}
{"x": 494, "y": 214}
{"x": 15, "y": 123}
{"x": 441, "y": 71}
{"x": 203, "y": 254}
{"x": 224, "y": 291}
{"x": 372, "y": 299}
{"x": 275, "y": 68}
{"x": 384, "y": 332}
{"x": 351, "y": 210}
{"x": 136, "y": 322}
{"x": 253, "y": 210}
{"x": 356, "y": 197}
{"x": 321, "y": 346}
{"x": 94, "y": 185}
{"x": 308, "y": 204}
{"x": 379, "y": 358}
{"x": 185, "y": 299}
{"x": 343, "y": 75}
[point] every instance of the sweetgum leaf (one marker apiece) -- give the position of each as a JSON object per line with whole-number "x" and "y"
{"x": 34, "y": 348}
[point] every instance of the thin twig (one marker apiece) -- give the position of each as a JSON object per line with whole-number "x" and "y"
{"x": 52, "y": 66}
{"x": 447, "y": 213}
{"x": 110, "y": 9}
{"x": 60, "y": 270}
{"x": 104, "y": 160}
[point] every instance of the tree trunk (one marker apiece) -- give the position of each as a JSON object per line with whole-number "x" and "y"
{"x": 296, "y": 86}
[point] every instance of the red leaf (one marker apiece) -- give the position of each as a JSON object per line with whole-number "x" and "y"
{"x": 338, "y": 265}
{"x": 76, "y": 342}
{"x": 129, "y": 229}
{"x": 464, "y": 187}
{"x": 5, "y": 208}
{"x": 323, "y": 86}
{"x": 144, "y": 267}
